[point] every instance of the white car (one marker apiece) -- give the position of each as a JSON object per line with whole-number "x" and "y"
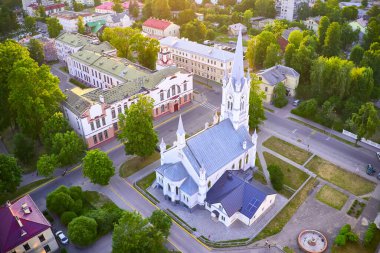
{"x": 62, "y": 238}
{"x": 378, "y": 155}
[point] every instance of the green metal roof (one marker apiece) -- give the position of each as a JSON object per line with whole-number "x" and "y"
{"x": 75, "y": 39}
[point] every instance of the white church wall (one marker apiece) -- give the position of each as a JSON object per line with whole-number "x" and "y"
{"x": 268, "y": 202}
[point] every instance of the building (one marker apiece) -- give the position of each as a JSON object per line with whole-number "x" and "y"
{"x": 312, "y": 23}
{"x": 199, "y": 170}
{"x": 159, "y": 28}
{"x": 235, "y": 28}
{"x": 69, "y": 43}
{"x": 119, "y": 20}
{"x": 278, "y": 74}
{"x": 289, "y": 8}
{"x": 259, "y": 23}
{"x": 69, "y": 19}
{"x": 24, "y": 228}
{"x": 283, "y": 40}
{"x": 93, "y": 113}
{"x": 199, "y": 16}
{"x": 49, "y": 9}
{"x": 208, "y": 62}
{"x": 106, "y": 7}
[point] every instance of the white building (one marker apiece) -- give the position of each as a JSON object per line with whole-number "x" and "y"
{"x": 93, "y": 113}
{"x": 208, "y": 62}
{"x": 312, "y": 23}
{"x": 119, "y": 20}
{"x": 159, "y": 28}
{"x": 199, "y": 170}
{"x": 289, "y": 8}
{"x": 235, "y": 28}
{"x": 69, "y": 19}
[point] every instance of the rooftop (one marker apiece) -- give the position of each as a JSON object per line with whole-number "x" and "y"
{"x": 76, "y": 39}
{"x": 108, "y": 5}
{"x": 196, "y": 48}
{"x": 73, "y": 14}
{"x": 277, "y": 74}
{"x": 20, "y": 221}
{"x": 285, "y": 34}
{"x": 157, "y": 23}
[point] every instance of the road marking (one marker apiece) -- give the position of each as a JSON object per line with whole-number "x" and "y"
{"x": 121, "y": 197}
{"x": 328, "y": 138}
{"x": 294, "y": 131}
{"x": 210, "y": 107}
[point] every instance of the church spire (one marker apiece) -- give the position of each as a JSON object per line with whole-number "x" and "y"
{"x": 238, "y": 65}
{"x": 180, "y": 130}
{"x": 181, "y": 134}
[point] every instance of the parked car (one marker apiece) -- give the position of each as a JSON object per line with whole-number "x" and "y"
{"x": 378, "y": 176}
{"x": 296, "y": 102}
{"x": 378, "y": 155}
{"x": 370, "y": 170}
{"x": 62, "y": 238}
{"x": 232, "y": 42}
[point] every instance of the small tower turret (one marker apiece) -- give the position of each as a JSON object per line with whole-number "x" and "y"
{"x": 202, "y": 186}
{"x": 162, "y": 151}
{"x": 181, "y": 134}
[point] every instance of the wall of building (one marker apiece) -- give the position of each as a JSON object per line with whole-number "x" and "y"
{"x": 37, "y": 246}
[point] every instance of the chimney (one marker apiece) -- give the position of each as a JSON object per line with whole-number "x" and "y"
{"x": 206, "y": 125}
{"x": 244, "y": 145}
{"x": 8, "y": 203}
{"x": 19, "y": 222}
{"x": 101, "y": 99}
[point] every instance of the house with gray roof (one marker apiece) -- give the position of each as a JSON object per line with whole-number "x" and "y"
{"x": 119, "y": 20}
{"x": 271, "y": 77}
{"x": 194, "y": 172}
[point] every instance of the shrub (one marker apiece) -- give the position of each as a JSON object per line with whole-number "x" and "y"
{"x": 67, "y": 217}
{"x": 345, "y": 229}
{"x": 369, "y": 234}
{"x": 113, "y": 210}
{"x": 77, "y": 206}
{"x": 276, "y": 177}
{"x": 59, "y": 202}
{"x": 340, "y": 240}
{"x": 103, "y": 219}
{"x": 352, "y": 237}
{"x": 76, "y": 192}
{"x": 307, "y": 108}
{"x": 82, "y": 231}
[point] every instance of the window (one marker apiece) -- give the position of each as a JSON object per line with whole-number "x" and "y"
{"x": 100, "y": 136}
{"x": 242, "y": 105}
{"x": 113, "y": 113}
{"x": 162, "y": 108}
{"x": 105, "y": 134}
{"x": 125, "y": 106}
{"x": 92, "y": 126}
{"x": 233, "y": 166}
{"x": 246, "y": 158}
{"x": 115, "y": 126}
{"x": 41, "y": 237}
{"x": 26, "y": 246}
{"x": 240, "y": 164}
{"x": 185, "y": 98}
{"x": 104, "y": 121}
{"x": 169, "y": 187}
{"x": 156, "y": 111}
{"x": 176, "y": 190}
{"x": 47, "y": 248}
{"x": 161, "y": 95}
{"x": 173, "y": 90}
{"x": 95, "y": 139}
{"x": 179, "y": 89}
{"x": 184, "y": 86}
{"x": 97, "y": 123}
{"x": 266, "y": 89}
{"x": 78, "y": 124}
{"x": 223, "y": 218}
{"x": 209, "y": 184}
{"x": 168, "y": 94}
{"x": 119, "y": 109}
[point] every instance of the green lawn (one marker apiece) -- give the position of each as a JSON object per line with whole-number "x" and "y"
{"x": 332, "y": 197}
{"x": 288, "y": 150}
{"x": 342, "y": 178}
{"x": 278, "y": 222}
{"x": 22, "y": 190}
{"x": 137, "y": 163}
{"x": 147, "y": 181}
{"x": 358, "y": 247}
{"x": 259, "y": 175}
{"x": 293, "y": 177}
{"x": 96, "y": 199}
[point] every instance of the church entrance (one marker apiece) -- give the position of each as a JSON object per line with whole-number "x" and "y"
{"x": 176, "y": 107}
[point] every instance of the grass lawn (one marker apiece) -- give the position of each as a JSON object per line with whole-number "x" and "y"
{"x": 64, "y": 69}
{"x": 293, "y": 177}
{"x": 137, "y": 163}
{"x": 278, "y": 222}
{"x": 96, "y": 199}
{"x": 77, "y": 83}
{"x": 21, "y": 191}
{"x": 147, "y": 181}
{"x": 259, "y": 175}
{"x": 358, "y": 247}
{"x": 340, "y": 177}
{"x": 288, "y": 150}
{"x": 332, "y": 197}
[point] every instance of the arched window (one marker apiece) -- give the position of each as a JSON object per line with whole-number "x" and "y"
{"x": 246, "y": 158}
{"x": 173, "y": 90}
{"x": 179, "y": 89}
{"x": 240, "y": 164}
{"x": 161, "y": 95}
{"x": 209, "y": 184}
{"x": 242, "y": 104}
{"x": 176, "y": 190}
{"x": 168, "y": 95}
{"x": 169, "y": 189}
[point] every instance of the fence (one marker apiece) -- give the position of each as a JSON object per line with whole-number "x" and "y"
{"x": 354, "y": 136}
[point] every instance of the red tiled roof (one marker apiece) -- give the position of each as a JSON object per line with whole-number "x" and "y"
{"x": 30, "y": 224}
{"x": 157, "y": 23}
{"x": 54, "y": 6}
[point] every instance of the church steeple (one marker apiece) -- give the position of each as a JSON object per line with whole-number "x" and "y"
{"x": 235, "y": 101}
{"x": 181, "y": 134}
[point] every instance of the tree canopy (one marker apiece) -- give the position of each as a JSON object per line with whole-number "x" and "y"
{"x": 98, "y": 167}
{"x": 54, "y": 27}
{"x": 256, "y": 107}
{"x": 161, "y": 221}
{"x": 82, "y": 231}
{"x": 194, "y": 30}
{"x": 365, "y": 121}
{"x": 36, "y": 50}
{"x": 68, "y": 147}
{"x": 10, "y": 174}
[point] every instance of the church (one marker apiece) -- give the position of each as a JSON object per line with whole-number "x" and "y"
{"x": 200, "y": 171}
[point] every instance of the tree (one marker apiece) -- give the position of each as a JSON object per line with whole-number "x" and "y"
{"x": 332, "y": 44}
{"x": 324, "y": 24}
{"x": 98, "y": 167}
{"x": 30, "y": 24}
{"x": 8, "y": 20}
{"x": 273, "y": 55}
{"x": 211, "y": 35}
{"x": 147, "y": 49}
{"x": 36, "y": 50}
{"x": 59, "y": 202}
{"x": 289, "y": 52}
{"x": 82, "y": 231}
{"x": 370, "y": 234}
{"x": 364, "y": 3}
{"x": 103, "y": 219}
{"x": 348, "y": 36}
{"x": 54, "y": 27}
{"x": 120, "y": 38}
{"x": 78, "y": 6}
{"x": 374, "y": 11}
{"x": 307, "y": 108}
{"x": 371, "y": 59}
{"x": 350, "y": 13}
{"x": 296, "y": 37}
{"x": 194, "y": 30}
{"x": 134, "y": 9}
{"x": 340, "y": 240}
{"x": 161, "y": 221}
{"x": 81, "y": 28}
{"x": 55, "y": 124}
{"x": 372, "y": 32}
{"x": 67, "y": 217}
{"x": 10, "y": 52}
{"x": 46, "y": 165}
{"x": 362, "y": 83}
{"x": 304, "y": 11}
{"x": 365, "y": 121}
{"x": 356, "y": 54}
{"x": 23, "y": 148}
{"x": 265, "y": 8}
{"x": 247, "y": 15}
{"x": 41, "y": 12}
{"x": 68, "y": 147}
{"x": 185, "y": 16}
{"x": 134, "y": 235}
{"x": 34, "y": 95}
{"x": 117, "y": 7}
{"x": 276, "y": 177}
{"x": 179, "y": 5}
{"x": 256, "y": 107}
{"x": 147, "y": 9}
{"x": 161, "y": 9}
{"x": 257, "y": 48}
{"x": 10, "y": 174}
{"x": 136, "y": 128}
{"x": 279, "y": 96}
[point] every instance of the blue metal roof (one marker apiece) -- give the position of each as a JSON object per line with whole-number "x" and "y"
{"x": 189, "y": 186}
{"x": 216, "y": 146}
{"x": 236, "y": 195}
{"x": 200, "y": 49}
{"x": 173, "y": 171}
